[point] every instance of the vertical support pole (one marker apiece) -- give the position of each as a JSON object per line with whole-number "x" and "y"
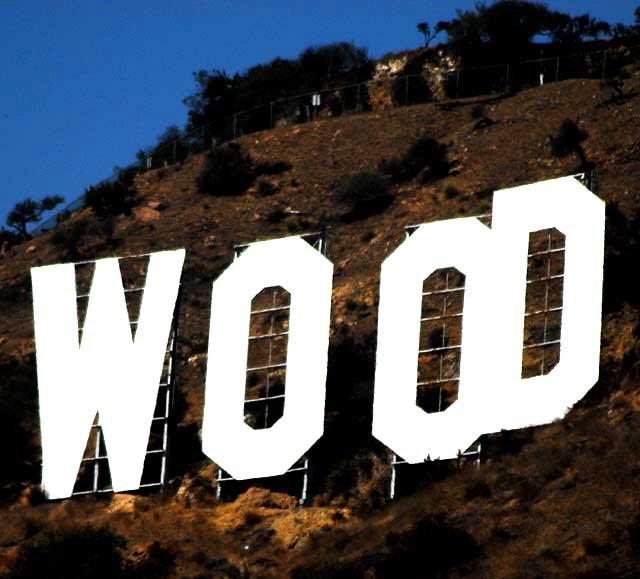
{"x": 604, "y": 65}
{"x": 175, "y": 143}
{"x": 305, "y": 482}
{"x": 204, "y": 144}
{"x": 271, "y": 115}
{"x": 506, "y": 85}
{"x": 219, "y": 486}
{"x": 235, "y": 125}
{"x": 171, "y": 385}
{"x": 406, "y": 90}
{"x": 358, "y": 98}
{"x": 96, "y": 463}
{"x": 392, "y": 488}
{"x": 457, "y": 82}
{"x": 557, "y": 69}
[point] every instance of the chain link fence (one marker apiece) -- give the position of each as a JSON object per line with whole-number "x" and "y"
{"x": 393, "y": 91}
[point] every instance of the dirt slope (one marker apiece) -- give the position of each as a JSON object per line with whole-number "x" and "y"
{"x": 562, "y": 502}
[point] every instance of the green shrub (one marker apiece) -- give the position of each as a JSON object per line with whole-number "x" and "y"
{"x": 8, "y": 238}
{"x": 265, "y": 188}
{"x": 110, "y": 199}
{"x": 276, "y": 215}
{"x": 364, "y": 194}
{"x": 451, "y": 191}
{"x": 75, "y": 553}
{"x": 426, "y": 155}
{"x": 567, "y": 141}
{"x": 158, "y": 563}
{"x": 430, "y": 548}
{"x": 68, "y": 236}
{"x": 296, "y": 224}
{"x": 477, "y": 488}
{"x": 228, "y": 170}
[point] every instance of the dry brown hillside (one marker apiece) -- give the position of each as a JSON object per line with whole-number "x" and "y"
{"x": 561, "y": 500}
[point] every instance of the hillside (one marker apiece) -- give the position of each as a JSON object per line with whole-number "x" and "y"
{"x": 559, "y": 500}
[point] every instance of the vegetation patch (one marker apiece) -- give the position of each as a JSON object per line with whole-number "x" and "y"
{"x": 228, "y": 170}
{"x": 110, "y": 199}
{"x": 364, "y": 194}
{"x": 426, "y": 156}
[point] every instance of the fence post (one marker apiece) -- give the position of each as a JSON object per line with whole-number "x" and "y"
{"x": 457, "y": 82}
{"x": 174, "y": 150}
{"x": 271, "y": 115}
{"x": 506, "y": 86}
{"x": 235, "y": 125}
{"x": 604, "y": 65}
{"x": 557, "y": 69}
{"x": 406, "y": 90}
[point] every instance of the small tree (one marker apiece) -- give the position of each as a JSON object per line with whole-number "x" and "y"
{"x": 30, "y": 211}
{"x": 425, "y": 30}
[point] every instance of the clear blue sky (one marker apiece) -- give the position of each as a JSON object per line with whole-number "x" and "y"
{"x": 85, "y": 84}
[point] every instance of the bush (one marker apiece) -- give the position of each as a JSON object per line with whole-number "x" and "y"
{"x": 8, "y": 238}
{"x": 79, "y": 553}
{"x": 67, "y": 237}
{"x": 451, "y": 191}
{"x": 228, "y": 170}
{"x": 265, "y": 188}
{"x": 431, "y": 548}
{"x": 364, "y": 193}
{"x": 568, "y": 141}
{"x": 110, "y": 199}
{"x": 425, "y": 155}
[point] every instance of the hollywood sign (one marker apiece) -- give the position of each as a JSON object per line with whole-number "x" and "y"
{"x": 110, "y": 372}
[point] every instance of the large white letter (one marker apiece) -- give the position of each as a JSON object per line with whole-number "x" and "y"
{"x": 109, "y": 372}
{"x": 242, "y": 451}
{"x": 397, "y": 420}
{"x": 492, "y": 395}
{"x": 567, "y": 205}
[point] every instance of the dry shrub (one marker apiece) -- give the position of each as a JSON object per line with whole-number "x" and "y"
{"x": 426, "y": 156}
{"x": 363, "y": 194}
{"x": 228, "y": 170}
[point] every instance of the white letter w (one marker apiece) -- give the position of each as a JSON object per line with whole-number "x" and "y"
{"x": 108, "y": 372}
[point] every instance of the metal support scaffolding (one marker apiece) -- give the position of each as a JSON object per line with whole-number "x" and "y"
{"x": 543, "y": 309}
{"x": 270, "y": 326}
